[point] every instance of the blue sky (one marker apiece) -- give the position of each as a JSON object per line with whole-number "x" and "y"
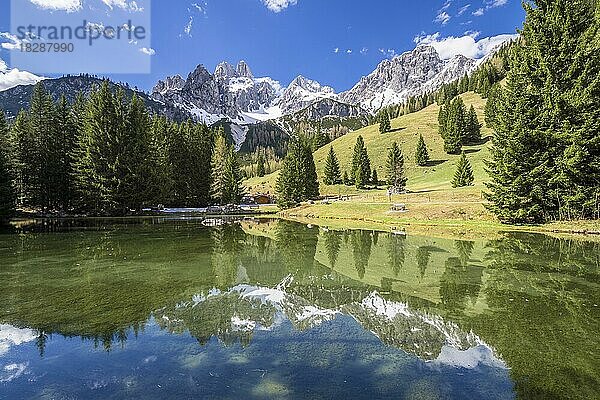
{"x": 333, "y": 41}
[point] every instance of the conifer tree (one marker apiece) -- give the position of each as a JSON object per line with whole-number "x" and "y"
{"x": 332, "y": 169}
{"x": 356, "y": 155}
{"x": 421, "y": 154}
{"x": 396, "y": 178}
{"x": 361, "y": 164}
{"x": 7, "y": 189}
{"x": 297, "y": 180}
{"x": 384, "y": 122}
{"x": 260, "y": 165}
{"x": 346, "y": 179}
{"x": 219, "y": 157}
{"x": 464, "y": 173}
{"x": 455, "y": 129}
{"x": 473, "y": 127}
{"x": 233, "y": 190}
{"x": 374, "y": 178}
{"x": 544, "y": 158}
{"x": 97, "y": 152}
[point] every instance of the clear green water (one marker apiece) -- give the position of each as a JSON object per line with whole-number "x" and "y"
{"x": 168, "y": 308}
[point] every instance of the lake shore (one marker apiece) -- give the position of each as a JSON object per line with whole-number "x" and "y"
{"x": 459, "y": 219}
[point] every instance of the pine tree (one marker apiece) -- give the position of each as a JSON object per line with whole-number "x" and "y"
{"x": 7, "y": 189}
{"x": 384, "y": 122}
{"x": 396, "y": 178}
{"x": 346, "y": 179}
{"x": 456, "y": 127}
{"x": 233, "y": 190}
{"x": 22, "y": 143}
{"x": 297, "y": 180}
{"x": 361, "y": 164}
{"x": 332, "y": 169}
{"x": 473, "y": 127}
{"x": 65, "y": 142}
{"x": 544, "y": 158}
{"x": 374, "y": 178}
{"x": 137, "y": 161}
{"x": 464, "y": 173}
{"x": 220, "y": 153}
{"x": 421, "y": 154}
{"x": 260, "y": 165}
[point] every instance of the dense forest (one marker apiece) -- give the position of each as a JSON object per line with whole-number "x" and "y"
{"x": 106, "y": 155}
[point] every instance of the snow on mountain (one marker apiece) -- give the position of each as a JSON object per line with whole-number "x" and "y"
{"x": 301, "y": 93}
{"x": 233, "y": 93}
{"x": 409, "y": 74}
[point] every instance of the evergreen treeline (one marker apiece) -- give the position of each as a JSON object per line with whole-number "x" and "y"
{"x": 545, "y": 159}
{"x": 105, "y": 154}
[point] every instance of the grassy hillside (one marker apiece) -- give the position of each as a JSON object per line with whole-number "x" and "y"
{"x": 405, "y": 130}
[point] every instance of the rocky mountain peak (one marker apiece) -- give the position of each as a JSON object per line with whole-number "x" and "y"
{"x": 309, "y": 85}
{"x": 243, "y": 70}
{"x": 170, "y": 84}
{"x": 225, "y": 71}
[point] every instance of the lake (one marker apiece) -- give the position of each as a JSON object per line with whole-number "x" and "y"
{"x": 264, "y": 309}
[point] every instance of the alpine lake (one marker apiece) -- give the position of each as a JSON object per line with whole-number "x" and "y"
{"x": 182, "y": 308}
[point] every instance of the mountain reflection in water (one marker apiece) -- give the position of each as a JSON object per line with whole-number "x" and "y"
{"x": 263, "y": 308}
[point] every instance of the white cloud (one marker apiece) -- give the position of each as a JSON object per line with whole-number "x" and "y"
{"x": 442, "y": 18}
{"x": 11, "y": 372}
{"x": 495, "y": 3}
{"x": 148, "y": 51}
{"x": 188, "y": 27}
{"x": 123, "y": 4}
{"x": 479, "y": 12}
{"x": 278, "y": 5}
{"x": 58, "y": 5}
{"x": 9, "y": 335}
{"x": 467, "y": 45}
{"x": 389, "y": 53}
{"x": 10, "y": 78}
{"x": 463, "y": 9}
{"x": 446, "y": 5}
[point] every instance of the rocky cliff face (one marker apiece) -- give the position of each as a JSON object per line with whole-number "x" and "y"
{"x": 234, "y": 93}
{"x": 412, "y": 73}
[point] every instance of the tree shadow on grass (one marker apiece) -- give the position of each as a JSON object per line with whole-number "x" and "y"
{"x": 435, "y": 163}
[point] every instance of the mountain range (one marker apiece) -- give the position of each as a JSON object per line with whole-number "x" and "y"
{"x": 235, "y": 98}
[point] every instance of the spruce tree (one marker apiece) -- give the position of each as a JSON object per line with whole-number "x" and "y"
{"x": 384, "y": 122}
{"x": 233, "y": 190}
{"x": 346, "y": 179}
{"x": 473, "y": 127}
{"x": 456, "y": 127}
{"x": 297, "y": 180}
{"x": 374, "y": 178}
{"x": 7, "y": 189}
{"x": 544, "y": 156}
{"x": 97, "y": 153}
{"x": 421, "y": 154}
{"x": 356, "y": 155}
{"x": 219, "y": 157}
{"x": 363, "y": 173}
{"x": 464, "y": 173}
{"x": 332, "y": 169}
{"x": 396, "y": 178}
{"x": 260, "y": 165}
